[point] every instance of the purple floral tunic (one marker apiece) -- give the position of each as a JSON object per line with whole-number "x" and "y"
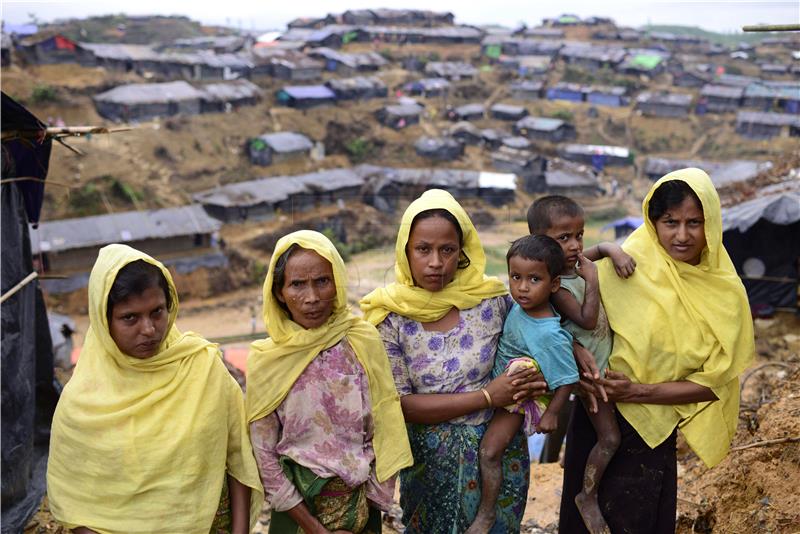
{"x": 457, "y": 361}
{"x": 325, "y": 424}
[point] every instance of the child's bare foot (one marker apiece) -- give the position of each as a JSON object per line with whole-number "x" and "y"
{"x": 591, "y": 514}
{"x": 483, "y": 522}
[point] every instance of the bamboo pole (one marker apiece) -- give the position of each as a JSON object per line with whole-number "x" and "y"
{"x": 25, "y": 281}
{"x": 772, "y": 28}
{"x": 766, "y": 442}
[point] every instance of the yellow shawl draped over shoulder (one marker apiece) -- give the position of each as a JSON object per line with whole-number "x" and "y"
{"x": 143, "y": 445}
{"x": 274, "y": 364}
{"x": 674, "y": 321}
{"x": 469, "y": 287}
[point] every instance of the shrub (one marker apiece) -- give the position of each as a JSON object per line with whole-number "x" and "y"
{"x": 86, "y": 200}
{"x": 564, "y": 114}
{"x": 44, "y": 93}
{"x": 359, "y": 149}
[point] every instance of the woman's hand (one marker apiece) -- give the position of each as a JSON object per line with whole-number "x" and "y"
{"x": 589, "y": 375}
{"x": 618, "y": 387}
{"x": 505, "y": 389}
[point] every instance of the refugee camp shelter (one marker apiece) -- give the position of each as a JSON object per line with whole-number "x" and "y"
{"x": 227, "y": 96}
{"x": 664, "y": 104}
{"x": 603, "y": 95}
{"x": 524, "y": 163}
{"x": 762, "y": 237}
{"x": 305, "y": 96}
{"x": 624, "y": 226}
{"x": 296, "y": 67}
{"x": 143, "y": 101}
{"x": 451, "y": 70}
{"x": 722, "y": 173}
{"x": 758, "y": 125}
{"x": 278, "y": 147}
{"x": 50, "y": 49}
{"x": 719, "y": 99}
{"x": 468, "y": 112}
{"x": 359, "y": 87}
{"x": 466, "y": 133}
{"x": 569, "y": 179}
{"x": 70, "y": 246}
{"x": 5, "y": 50}
{"x": 428, "y": 87}
{"x": 527, "y": 90}
{"x": 439, "y": 148}
{"x": 571, "y": 92}
{"x": 507, "y": 112}
{"x": 766, "y": 96}
{"x": 598, "y": 156}
{"x": 592, "y": 57}
{"x": 399, "y": 116}
{"x": 118, "y": 56}
{"x": 545, "y": 129}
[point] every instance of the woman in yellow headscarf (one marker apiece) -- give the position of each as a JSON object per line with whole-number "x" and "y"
{"x": 441, "y": 322}
{"x": 325, "y": 418}
{"x": 682, "y": 335}
{"x": 149, "y": 434}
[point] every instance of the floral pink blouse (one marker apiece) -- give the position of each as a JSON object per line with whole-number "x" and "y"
{"x": 325, "y": 424}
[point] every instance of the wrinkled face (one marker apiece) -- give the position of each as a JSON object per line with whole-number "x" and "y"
{"x": 139, "y": 323}
{"x": 309, "y": 290}
{"x": 568, "y": 232}
{"x": 531, "y": 285}
{"x": 433, "y": 250}
{"x": 681, "y": 231}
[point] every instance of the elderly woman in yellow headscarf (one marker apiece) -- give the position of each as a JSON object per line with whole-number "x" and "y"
{"x": 325, "y": 418}
{"x": 682, "y": 336}
{"x": 441, "y": 322}
{"x": 149, "y": 434}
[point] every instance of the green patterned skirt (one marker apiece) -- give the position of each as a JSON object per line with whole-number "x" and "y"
{"x": 441, "y": 492}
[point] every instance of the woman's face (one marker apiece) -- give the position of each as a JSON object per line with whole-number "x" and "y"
{"x": 681, "y": 231}
{"x": 138, "y": 324}
{"x": 309, "y": 290}
{"x": 433, "y": 250}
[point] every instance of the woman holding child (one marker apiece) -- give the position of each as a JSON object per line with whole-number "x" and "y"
{"x": 325, "y": 418}
{"x": 682, "y": 336}
{"x": 440, "y": 323}
{"x": 149, "y": 434}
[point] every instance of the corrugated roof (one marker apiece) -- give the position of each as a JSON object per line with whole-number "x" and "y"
{"x": 470, "y": 109}
{"x": 782, "y": 208}
{"x": 774, "y": 119}
{"x": 287, "y": 141}
{"x": 567, "y": 177}
{"x": 99, "y": 230}
{"x": 508, "y": 108}
{"x": 789, "y": 91}
{"x": 145, "y": 93}
{"x": 722, "y": 91}
{"x": 404, "y": 110}
{"x": 122, "y": 52}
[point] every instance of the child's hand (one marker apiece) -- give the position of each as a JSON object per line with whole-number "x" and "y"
{"x": 624, "y": 264}
{"x": 548, "y": 423}
{"x": 586, "y": 269}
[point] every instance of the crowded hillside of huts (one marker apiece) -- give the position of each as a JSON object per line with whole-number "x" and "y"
{"x": 340, "y": 60}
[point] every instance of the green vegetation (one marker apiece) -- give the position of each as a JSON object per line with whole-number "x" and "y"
{"x": 93, "y": 198}
{"x": 730, "y": 39}
{"x": 124, "y": 192}
{"x": 359, "y": 149}
{"x": 42, "y": 93}
{"x": 258, "y": 272}
{"x": 346, "y": 250}
{"x": 86, "y": 201}
{"x": 564, "y": 114}
{"x": 604, "y": 76}
{"x": 121, "y": 28}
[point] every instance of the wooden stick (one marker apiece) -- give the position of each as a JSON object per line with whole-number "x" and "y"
{"x": 772, "y": 28}
{"x": 25, "y": 281}
{"x": 766, "y": 442}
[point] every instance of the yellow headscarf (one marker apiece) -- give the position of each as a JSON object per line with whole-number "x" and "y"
{"x": 143, "y": 445}
{"x": 469, "y": 287}
{"x": 674, "y": 321}
{"x": 275, "y": 363}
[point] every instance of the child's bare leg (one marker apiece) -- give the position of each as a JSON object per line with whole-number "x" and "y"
{"x": 502, "y": 429}
{"x": 605, "y": 425}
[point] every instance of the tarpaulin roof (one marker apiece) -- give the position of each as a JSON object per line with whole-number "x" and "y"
{"x": 146, "y": 93}
{"x": 542, "y": 124}
{"x": 287, "y": 141}
{"x": 781, "y": 208}
{"x": 308, "y": 91}
{"x": 773, "y": 119}
{"x": 722, "y": 173}
{"x": 98, "y": 230}
{"x": 232, "y": 90}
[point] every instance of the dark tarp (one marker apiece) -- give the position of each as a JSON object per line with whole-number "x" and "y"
{"x": 29, "y": 391}
{"x": 25, "y": 157}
